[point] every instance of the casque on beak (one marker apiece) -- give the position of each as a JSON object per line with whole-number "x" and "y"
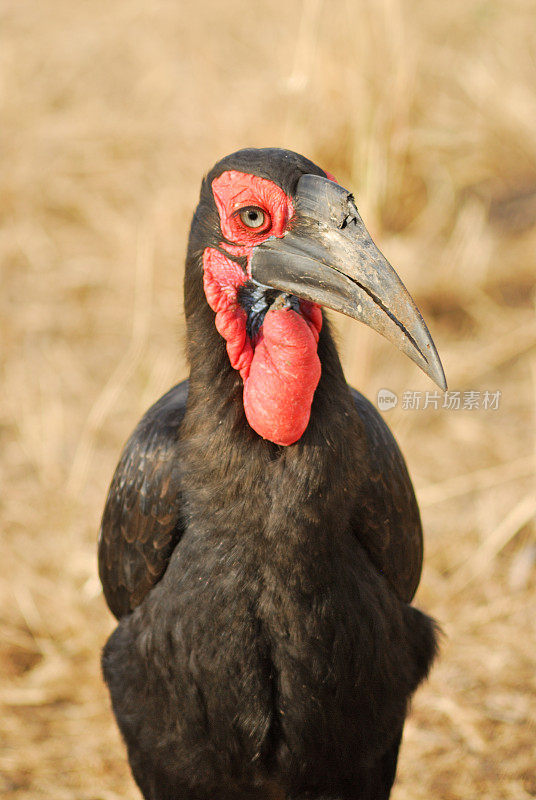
{"x": 328, "y": 257}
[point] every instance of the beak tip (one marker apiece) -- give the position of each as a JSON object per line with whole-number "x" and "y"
{"x": 443, "y": 385}
{"x": 436, "y": 373}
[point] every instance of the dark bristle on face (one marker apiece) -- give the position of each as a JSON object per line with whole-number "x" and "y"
{"x": 256, "y": 300}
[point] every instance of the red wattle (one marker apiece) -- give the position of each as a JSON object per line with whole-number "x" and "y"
{"x": 221, "y": 280}
{"x": 283, "y": 376}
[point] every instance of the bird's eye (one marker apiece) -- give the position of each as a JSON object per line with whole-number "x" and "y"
{"x": 254, "y": 217}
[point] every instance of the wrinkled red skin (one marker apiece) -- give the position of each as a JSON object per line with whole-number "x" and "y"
{"x": 284, "y": 374}
{"x": 281, "y": 368}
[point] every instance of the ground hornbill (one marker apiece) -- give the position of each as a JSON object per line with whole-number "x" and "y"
{"x": 261, "y": 541}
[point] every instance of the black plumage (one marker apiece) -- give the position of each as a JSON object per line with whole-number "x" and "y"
{"x": 266, "y": 647}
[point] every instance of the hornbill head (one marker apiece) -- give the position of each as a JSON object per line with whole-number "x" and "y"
{"x": 278, "y": 239}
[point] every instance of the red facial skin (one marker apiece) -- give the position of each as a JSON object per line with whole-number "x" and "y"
{"x": 281, "y": 368}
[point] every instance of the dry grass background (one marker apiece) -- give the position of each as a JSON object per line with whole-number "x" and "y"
{"x": 111, "y": 112}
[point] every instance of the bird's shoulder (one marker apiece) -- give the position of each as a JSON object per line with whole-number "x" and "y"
{"x": 387, "y": 521}
{"x": 141, "y": 523}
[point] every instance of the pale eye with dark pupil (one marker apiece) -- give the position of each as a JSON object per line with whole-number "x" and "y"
{"x": 253, "y": 217}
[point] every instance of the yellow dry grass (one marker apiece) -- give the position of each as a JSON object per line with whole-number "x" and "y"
{"x": 111, "y": 112}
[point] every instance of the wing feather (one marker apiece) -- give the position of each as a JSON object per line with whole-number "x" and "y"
{"x": 388, "y": 523}
{"x": 141, "y": 523}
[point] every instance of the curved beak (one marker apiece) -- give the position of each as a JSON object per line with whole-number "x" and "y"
{"x": 328, "y": 257}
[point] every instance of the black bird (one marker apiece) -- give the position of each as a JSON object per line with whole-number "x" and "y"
{"x": 261, "y": 540}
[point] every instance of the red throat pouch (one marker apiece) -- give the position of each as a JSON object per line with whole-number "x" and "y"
{"x": 284, "y": 374}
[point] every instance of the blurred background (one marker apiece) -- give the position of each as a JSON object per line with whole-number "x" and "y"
{"x": 112, "y": 111}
